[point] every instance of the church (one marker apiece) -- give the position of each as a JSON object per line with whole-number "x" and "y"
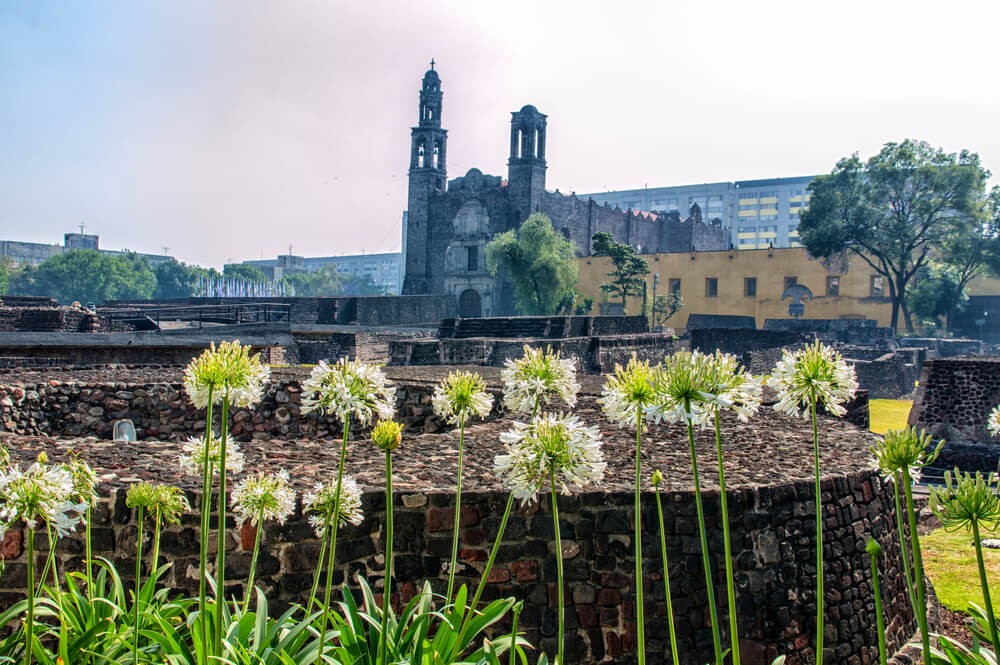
{"x": 449, "y": 223}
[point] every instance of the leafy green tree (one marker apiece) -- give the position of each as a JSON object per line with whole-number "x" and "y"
{"x": 6, "y": 267}
{"x": 937, "y": 293}
{"x": 630, "y": 269}
{"x": 89, "y": 275}
{"x": 361, "y": 285}
{"x": 323, "y": 282}
{"x": 539, "y": 261}
{"x": 243, "y": 271}
{"x": 665, "y": 306}
{"x": 895, "y": 211}
{"x": 175, "y": 279}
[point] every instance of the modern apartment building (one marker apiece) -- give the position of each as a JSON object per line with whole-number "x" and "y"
{"x": 383, "y": 269}
{"x": 33, "y": 253}
{"x": 757, "y": 213}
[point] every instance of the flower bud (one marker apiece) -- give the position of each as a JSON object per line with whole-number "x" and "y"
{"x": 657, "y": 478}
{"x": 387, "y": 435}
{"x": 873, "y": 548}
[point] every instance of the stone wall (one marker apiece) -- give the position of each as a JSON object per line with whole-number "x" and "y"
{"x": 847, "y": 331}
{"x": 887, "y": 377}
{"x": 542, "y": 326}
{"x": 738, "y": 342}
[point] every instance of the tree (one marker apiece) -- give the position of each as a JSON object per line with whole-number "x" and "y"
{"x": 630, "y": 269}
{"x": 87, "y": 275}
{"x": 895, "y": 210}
{"x": 665, "y": 306}
{"x": 6, "y": 267}
{"x": 323, "y": 282}
{"x": 175, "y": 279}
{"x": 937, "y": 293}
{"x": 539, "y": 261}
{"x": 243, "y": 271}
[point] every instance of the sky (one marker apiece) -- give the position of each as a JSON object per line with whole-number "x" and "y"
{"x": 230, "y": 130}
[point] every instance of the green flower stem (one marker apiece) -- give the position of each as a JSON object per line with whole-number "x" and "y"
{"x": 489, "y": 562}
{"x": 918, "y": 572}
{"x": 819, "y": 540}
{"x": 89, "y": 554}
{"x": 512, "y": 659}
{"x": 734, "y": 631}
{"x": 316, "y": 576}
{"x": 559, "y": 568}
{"x": 639, "y": 609}
{"x": 157, "y": 528}
{"x": 879, "y": 618}
{"x": 705, "y": 560}
{"x": 220, "y": 556}
{"x": 666, "y": 579}
{"x": 458, "y": 512}
{"x": 253, "y": 561}
{"x": 138, "y": 583}
{"x": 50, "y": 562}
{"x": 29, "y": 621}
{"x": 904, "y": 550}
{"x": 206, "y": 513}
{"x": 387, "y": 584}
{"x": 331, "y": 529}
{"x": 984, "y": 583}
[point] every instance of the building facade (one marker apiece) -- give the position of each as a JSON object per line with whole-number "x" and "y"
{"x": 757, "y": 213}
{"x": 449, "y": 223}
{"x": 384, "y": 270}
{"x": 34, "y": 253}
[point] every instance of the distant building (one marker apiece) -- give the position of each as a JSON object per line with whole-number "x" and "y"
{"x": 757, "y": 213}
{"x": 33, "y": 253}
{"x": 383, "y": 269}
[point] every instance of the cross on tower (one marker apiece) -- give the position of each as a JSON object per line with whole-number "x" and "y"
{"x": 82, "y": 227}
{"x": 432, "y": 64}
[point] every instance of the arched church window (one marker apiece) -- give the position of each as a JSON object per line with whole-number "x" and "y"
{"x": 420, "y": 156}
{"x": 436, "y": 156}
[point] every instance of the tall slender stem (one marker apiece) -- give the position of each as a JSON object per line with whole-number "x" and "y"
{"x": 157, "y": 527}
{"x": 29, "y": 621}
{"x": 984, "y": 583}
{"x": 206, "y": 514}
{"x": 317, "y": 574}
{"x": 89, "y": 554}
{"x": 879, "y": 618}
{"x": 253, "y": 561}
{"x": 666, "y": 579}
{"x": 332, "y": 534}
{"x": 220, "y": 555}
{"x": 705, "y": 558}
{"x": 734, "y": 631}
{"x": 493, "y": 555}
{"x": 820, "y": 615}
{"x": 512, "y": 656}
{"x": 138, "y": 585}
{"x": 918, "y": 571}
{"x": 559, "y": 569}
{"x": 387, "y": 584}
{"x": 458, "y": 511}
{"x": 904, "y": 550}
{"x": 639, "y": 605}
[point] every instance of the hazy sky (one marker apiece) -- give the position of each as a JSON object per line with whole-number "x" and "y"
{"x": 231, "y": 130}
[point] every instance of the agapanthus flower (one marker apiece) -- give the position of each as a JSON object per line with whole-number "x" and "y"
{"x": 907, "y": 451}
{"x": 682, "y": 389}
{"x": 817, "y": 375}
{"x": 171, "y": 503}
{"x": 264, "y": 497}
{"x": 387, "y": 435}
{"x": 226, "y": 369}
{"x": 536, "y": 378}
{"x": 193, "y": 456}
{"x": 628, "y": 393}
{"x": 322, "y": 502}
{"x": 552, "y": 447}
{"x": 142, "y": 495}
{"x": 729, "y": 386}
{"x": 993, "y": 422}
{"x": 42, "y": 493}
{"x": 349, "y": 388}
{"x": 84, "y": 480}
{"x": 4, "y": 458}
{"x": 964, "y": 500}
{"x": 460, "y": 396}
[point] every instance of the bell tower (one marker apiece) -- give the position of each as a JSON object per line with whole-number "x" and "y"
{"x": 428, "y": 174}
{"x": 526, "y": 167}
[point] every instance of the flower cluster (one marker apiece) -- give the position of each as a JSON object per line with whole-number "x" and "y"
{"x": 460, "y": 396}
{"x": 993, "y": 422}
{"x": 536, "y": 377}
{"x": 552, "y": 447}
{"x": 41, "y": 493}
{"x": 84, "y": 481}
{"x": 349, "y": 388}
{"x": 228, "y": 369}
{"x": 964, "y": 501}
{"x": 387, "y": 435}
{"x": 906, "y": 450}
{"x": 264, "y": 497}
{"x": 816, "y": 375}
{"x": 194, "y": 450}
{"x": 166, "y": 502}
{"x": 628, "y": 393}
{"x": 682, "y": 389}
{"x": 323, "y": 502}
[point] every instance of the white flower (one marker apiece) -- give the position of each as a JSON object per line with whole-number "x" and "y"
{"x": 536, "y": 377}
{"x": 226, "y": 369}
{"x": 460, "y": 396}
{"x": 682, "y": 389}
{"x": 323, "y": 502}
{"x": 729, "y": 386}
{"x": 193, "y": 456}
{"x": 628, "y": 393}
{"x": 349, "y": 388}
{"x": 43, "y": 493}
{"x": 264, "y": 497}
{"x": 84, "y": 481}
{"x": 993, "y": 422}
{"x": 556, "y": 448}
{"x": 814, "y": 375}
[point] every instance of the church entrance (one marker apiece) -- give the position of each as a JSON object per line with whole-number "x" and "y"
{"x": 469, "y": 304}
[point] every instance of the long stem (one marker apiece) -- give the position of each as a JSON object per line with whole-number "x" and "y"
{"x": 332, "y": 529}
{"x": 918, "y": 572}
{"x": 317, "y": 575}
{"x": 458, "y": 512}
{"x": 666, "y": 580}
{"x": 253, "y": 561}
{"x": 734, "y": 631}
{"x": 89, "y": 554}
{"x": 206, "y": 512}
{"x": 157, "y": 527}
{"x": 559, "y": 568}
{"x": 705, "y": 559}
{"x": 984, "y": 583}
{"x": 512, "y": 660}
{"x": 29, "y": 621}
{"x": 138, "y": 584}
{"x": 879, "y": 618}
{"x": 220, "y": 555}
{"x": 904, "y": 550}
{"x": 489, "y": 562}
{"x": 819, "y": 540}
{"x": 639, "y": 605}
{"x": 387, "y": 584}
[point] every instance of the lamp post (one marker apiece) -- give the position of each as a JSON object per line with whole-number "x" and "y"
{"x": 652, "y": 310}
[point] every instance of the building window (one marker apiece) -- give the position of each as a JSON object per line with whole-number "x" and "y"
{"x": 711, "y": 287}
{"x": 473, "y": 264}
{"x": 675, "y": 285}
{"x": 790, "y": 281}
{"x": 833, "y": 285}
{"x": 878, "y": 287}
{"x": 750, "y": 287}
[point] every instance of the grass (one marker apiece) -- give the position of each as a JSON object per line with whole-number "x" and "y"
{"x": 950, "y": 563}
{"x": 887, "y": 414}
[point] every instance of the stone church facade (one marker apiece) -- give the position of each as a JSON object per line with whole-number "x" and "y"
{"x": 449, "y": 223}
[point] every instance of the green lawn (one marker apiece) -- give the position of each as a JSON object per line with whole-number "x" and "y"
{"x": 887, "y": 414}
{"x": 950, "y": 563}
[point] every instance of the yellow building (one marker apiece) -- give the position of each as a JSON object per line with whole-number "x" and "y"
{"x": 750, "y": 283}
